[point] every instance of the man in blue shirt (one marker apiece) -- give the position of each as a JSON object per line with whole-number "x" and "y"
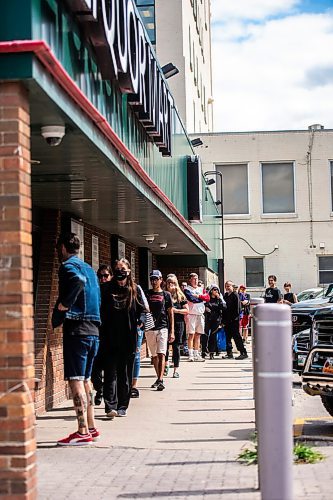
{"x": 78, "y": 310}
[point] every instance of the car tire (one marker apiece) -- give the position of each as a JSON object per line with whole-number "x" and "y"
{"x": 328, "y": 403}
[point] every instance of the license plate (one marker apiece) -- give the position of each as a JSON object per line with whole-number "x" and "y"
{"x": 301, "y": 359}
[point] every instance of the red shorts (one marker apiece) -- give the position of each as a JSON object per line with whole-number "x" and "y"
{"x": 244, "y": 321}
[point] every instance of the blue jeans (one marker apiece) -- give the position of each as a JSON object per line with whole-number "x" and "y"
{"x": 79, "y": 354}
{"x": 136, "y": 369}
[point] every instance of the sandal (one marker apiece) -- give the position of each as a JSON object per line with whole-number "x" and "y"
{"x": 175, "y": 375}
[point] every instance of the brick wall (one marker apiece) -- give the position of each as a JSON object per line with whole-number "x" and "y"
{"x": 17, "y": 437}
{"x": 51, "y": 388}
{"x": 103, "y": 243}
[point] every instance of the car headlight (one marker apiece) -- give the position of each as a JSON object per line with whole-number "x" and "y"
{"x": 314, "y": 333}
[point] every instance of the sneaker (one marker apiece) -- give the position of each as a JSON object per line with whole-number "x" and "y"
{"x": 98, "y": 399}
{"x": 199, "y": 359}
{"x": 155, "y": 384}
{"x": 76, "y": 439}
{"x": 242, "y": 356}
{"x": 111, "y": 414}
{"x": 160, "y": 386}
{"x": 122, "y": 412}
{"x": 191, "y": 358}
{"x": 94, "y": 434}
{"x": 228, "y": 356}
{"x": 175, "y": 375}
{"x": 135, "y": 392}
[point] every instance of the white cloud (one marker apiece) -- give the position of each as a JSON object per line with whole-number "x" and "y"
{"x": 250, "y": 9}
{"x": 274, "y": 75}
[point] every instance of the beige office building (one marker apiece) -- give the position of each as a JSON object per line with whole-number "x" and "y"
{"x": 180, "y": 31}
{"x": 278, "y": 208}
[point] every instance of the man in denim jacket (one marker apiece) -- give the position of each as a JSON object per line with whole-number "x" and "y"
{"x": 78, "y": 310}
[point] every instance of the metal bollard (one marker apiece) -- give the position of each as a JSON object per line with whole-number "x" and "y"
{"x": 272, "y": 324}
{"x": 253, "y": 303}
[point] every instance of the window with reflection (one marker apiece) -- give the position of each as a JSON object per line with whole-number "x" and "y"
{"x": 278, "y": 190}
{"x": 235, "y": 188}
{"x": 146, "y": 9}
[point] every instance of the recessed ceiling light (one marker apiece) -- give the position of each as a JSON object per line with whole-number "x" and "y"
{"x": 128, "y": 221}
{"x": 83, "y": 200}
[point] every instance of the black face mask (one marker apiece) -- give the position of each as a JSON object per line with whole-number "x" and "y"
{"x": 120, "y": 275}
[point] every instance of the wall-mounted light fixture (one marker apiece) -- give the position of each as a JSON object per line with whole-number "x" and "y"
{"x": 169, "y": 70}
{"x": 196, "y": 142}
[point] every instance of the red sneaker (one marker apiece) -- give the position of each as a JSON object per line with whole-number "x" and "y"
{"x": 76, "y": 439}
{"x": 94, "y": 434}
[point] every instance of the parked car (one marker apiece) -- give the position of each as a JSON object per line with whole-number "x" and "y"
{"x": 311, "y": 293}
{"x": 302, "y": 312}
{"x": 300, "y": 350}
{"x": 317, "y": 377}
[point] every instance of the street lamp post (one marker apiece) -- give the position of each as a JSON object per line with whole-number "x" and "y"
{"x": 221, "y": 267}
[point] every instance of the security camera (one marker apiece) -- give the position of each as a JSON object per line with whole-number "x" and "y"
{"x": 53, "y": 134}
{"x": 150, "y": 238}
{"x": 163, "y": 246}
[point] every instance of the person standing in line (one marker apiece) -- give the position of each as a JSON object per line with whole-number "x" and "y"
{"x": 272, "y": 294}
{"x": 195, "y": 321}
{"x": 104, "y": 274}
{"x": 231, "y": 322}
{"x": 289, "y": 297}
{"x": 183, "y": 285}
{"x": 78, "y": 310}
{"x": 213, "y": 321}
{"x": 160, "y": 305}
{"x": 245, "y": 299}
{"x": 137, "y": 361}
{"x": 122, "y": 311}
{"x": 180, "y": 310}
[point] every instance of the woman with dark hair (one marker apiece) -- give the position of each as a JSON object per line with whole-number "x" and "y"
{"x": 122, "y": 311}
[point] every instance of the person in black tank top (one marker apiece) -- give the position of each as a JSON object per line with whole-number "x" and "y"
{"x": 289, "y": 297}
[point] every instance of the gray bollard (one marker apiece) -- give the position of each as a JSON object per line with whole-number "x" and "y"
{"x": 253, "y": 303}
{"x": 272, "y": 324}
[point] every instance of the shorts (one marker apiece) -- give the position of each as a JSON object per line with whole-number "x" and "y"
{"x": 79, "y": 354}
{"x": 195, "y": 323}
{"x": 244, "y": 321}
{"x": 157, "y": 341}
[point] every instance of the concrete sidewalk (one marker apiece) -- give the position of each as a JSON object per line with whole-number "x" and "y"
{"x": 179, "y": 443}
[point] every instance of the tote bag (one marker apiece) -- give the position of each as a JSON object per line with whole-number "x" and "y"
{"x": 221, "y": 340}
{"x": 149, "y": 321}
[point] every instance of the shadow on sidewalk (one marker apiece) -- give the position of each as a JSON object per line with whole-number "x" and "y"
{"x": 186, "y": 493}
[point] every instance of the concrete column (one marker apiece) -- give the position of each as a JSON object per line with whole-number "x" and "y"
{"x": 17, "y": 436}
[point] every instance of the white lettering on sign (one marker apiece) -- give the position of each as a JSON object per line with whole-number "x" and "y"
{"x": 116, "y": 25}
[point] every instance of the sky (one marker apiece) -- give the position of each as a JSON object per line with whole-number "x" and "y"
{"x": 272, "y": 64}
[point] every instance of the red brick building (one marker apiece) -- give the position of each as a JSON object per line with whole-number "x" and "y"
{"x": 118, "y": 177}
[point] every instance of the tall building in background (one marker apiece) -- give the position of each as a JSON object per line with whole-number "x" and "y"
{"x": 180, "y": 31}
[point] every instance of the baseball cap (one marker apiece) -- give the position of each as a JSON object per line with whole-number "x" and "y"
{"x": 155, "y": 274}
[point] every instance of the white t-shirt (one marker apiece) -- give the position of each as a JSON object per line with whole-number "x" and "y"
{"x": 195, "y": 308}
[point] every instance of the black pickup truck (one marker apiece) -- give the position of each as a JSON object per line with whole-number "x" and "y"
{"x": 317, "y": 376}
{"x": 302, "y": 312}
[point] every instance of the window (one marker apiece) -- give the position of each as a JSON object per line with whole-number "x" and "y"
{"x": 325, "y": 269}
{"x": 278, "y": 188}
{"x": 331, "y": 164}
{"x": 146, "y": 9}
{"x": 254, "y": 268}
{"x": 235, "y": 189}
